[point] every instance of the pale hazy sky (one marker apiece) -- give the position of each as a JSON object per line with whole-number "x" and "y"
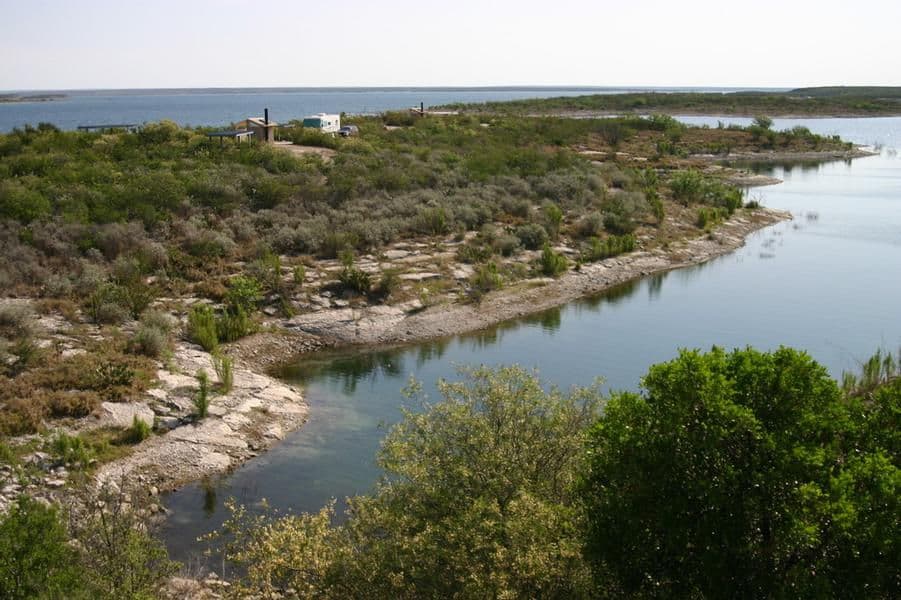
{"x": 69, "y": 44}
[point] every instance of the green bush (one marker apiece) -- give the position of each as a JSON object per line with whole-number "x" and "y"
{"x": 613, "y": 245}
{"x": 202, "y": 396}
{"x": 389, "y": 282}
{"x": 243, "y": 294}
{"x": 506, "y": 244}
{"x": 687, "y": 186}
{"x": 298, "y": 273}
{"x": 202, "y": 328}
{"x": 476, "y": 503}
{"x": 313, "y": 137}
{"x": 553, "y": 218}
{"x": 71, "y": 450}
{"x": 473, "y": 253}
{"x": 532, "y": 236}
{"x": 353, "y": 279}
{"x": 36, "y": 560}
{"x": 486, "y": 279}
{"x": 139, "y": 431}
{"x": 149, "y": 341}
{"x": 232, "y": 325}
{"x": 433, "y": 221}
{"x": 551, "y": 263}
{"x": 224, "y": 367}
{"x": 775, "y": 483}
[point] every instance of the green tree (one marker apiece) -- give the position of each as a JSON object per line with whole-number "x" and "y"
{"x": 478, "y": 502}
{"x": 745, "y": 474}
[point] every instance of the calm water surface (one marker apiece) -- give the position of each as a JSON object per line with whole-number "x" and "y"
{"x": 219, "y": 107}
{"x": 829, "y": 282}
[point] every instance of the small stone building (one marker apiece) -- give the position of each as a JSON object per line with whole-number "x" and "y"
{"x": 263, "y": 129}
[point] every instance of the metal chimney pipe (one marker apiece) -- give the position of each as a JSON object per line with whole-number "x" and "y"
{"x": 266, "y": 116}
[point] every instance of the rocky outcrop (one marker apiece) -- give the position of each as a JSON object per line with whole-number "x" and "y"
{"x": 252, "y": 416}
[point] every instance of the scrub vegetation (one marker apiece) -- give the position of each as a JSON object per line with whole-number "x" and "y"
{"x": 102, "y": 226}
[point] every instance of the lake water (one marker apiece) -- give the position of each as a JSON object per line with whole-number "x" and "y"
{"x": 828, "y": 282}
{"x": 223, "y": 106}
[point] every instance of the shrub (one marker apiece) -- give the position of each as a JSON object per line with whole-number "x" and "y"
{"x": 71, "y": 403}
{"x": 473, "y": 253}
{"x": 299, "y": 272}
{"x": 15, "y": 321}
{"x": 314, "y": 137}
{"x": 202, "y": 327}
{"x": 553, "y": 218}
{"x": 551, "y": 263}
{"x": 657, "y": 208}
{"x": 71, "y": 450}
{"x": 613, "y": 245}
{"x": 432, "y": 221}
{"x": 120, "y": 557}
{"x": 506, "y": 244}
{"x": 202, "y": 396}
{"x": 232, "y": 325}
{"x": 763, "y": 122}
{"x": 36, "y": 560}
{"x": 223, "y": 366}
{"x": 486, "y": 279}
{"x": 389, "y": 282}
{"x": 687, "y": 186}
{"x": 476, "y": 503}
{"x": 532, "y": 236}
{"x": 243, "y": 293}
{"x": 149, "y": 341}
{"x": 139, "y": 431}
{"x": 590, "y": 225}
{"x": 353, "y": 279}
{"x": 108, "y": 305}
{"x": 113, "y": 377}
{"x": 619, "y": 223}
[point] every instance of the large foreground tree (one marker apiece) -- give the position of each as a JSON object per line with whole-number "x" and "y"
{"x": 478, "y": 503}
{"x": 746, "y": 475}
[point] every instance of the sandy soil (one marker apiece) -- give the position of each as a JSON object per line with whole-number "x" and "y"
{"x": 326, "y": 154}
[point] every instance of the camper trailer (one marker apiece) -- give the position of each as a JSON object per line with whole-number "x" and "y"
{"x": 323, "y": 122}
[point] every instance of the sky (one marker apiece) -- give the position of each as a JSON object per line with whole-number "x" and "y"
{"x": 90, "y": 44}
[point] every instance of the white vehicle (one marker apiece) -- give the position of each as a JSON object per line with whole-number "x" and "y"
{"x": 323, "y": 122}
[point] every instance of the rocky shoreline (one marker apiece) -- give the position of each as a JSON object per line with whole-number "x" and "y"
{"x": 406, "y": 324}
{"x": 260, "y": 410}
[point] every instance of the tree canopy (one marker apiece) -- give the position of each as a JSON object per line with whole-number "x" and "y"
{"x": 745, "y": 474}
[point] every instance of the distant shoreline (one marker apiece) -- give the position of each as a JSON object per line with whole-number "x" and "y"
{"x": 17, "y": 99}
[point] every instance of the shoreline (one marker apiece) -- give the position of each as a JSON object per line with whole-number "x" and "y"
{"x": 261, "y": 410}
{"x": 348, "y": 327}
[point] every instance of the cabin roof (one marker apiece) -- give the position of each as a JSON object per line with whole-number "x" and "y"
{"x": 259, "y": 121}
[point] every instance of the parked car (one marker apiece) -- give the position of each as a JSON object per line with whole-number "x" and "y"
{"x": 348, "y": 130}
